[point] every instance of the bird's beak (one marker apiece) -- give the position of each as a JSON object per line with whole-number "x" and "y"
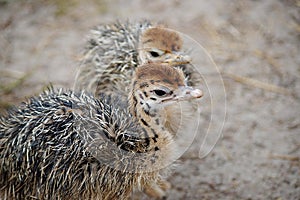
{"x": 177, "y": 59}
{"x": 184, "y": 93}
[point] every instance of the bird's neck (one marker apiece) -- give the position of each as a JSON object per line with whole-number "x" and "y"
{"x": 152, "y": 120}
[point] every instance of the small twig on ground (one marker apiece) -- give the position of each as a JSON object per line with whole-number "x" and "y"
{"x": 10, "y": 73}
{"x": 258, "y": 84}
{"x": 284, "y": 157}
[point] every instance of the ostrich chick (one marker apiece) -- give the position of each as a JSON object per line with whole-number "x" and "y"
{"x": 114, "y": 51}
{"x": 66, "y": 145}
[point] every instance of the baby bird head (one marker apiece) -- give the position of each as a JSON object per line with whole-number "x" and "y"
{"x": 161, "y": 45}
{"x": 156, "y": 86}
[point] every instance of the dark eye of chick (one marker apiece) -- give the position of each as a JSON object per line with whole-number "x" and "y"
{"x": 154, "y": 54}
{"x": 160, "y": 93}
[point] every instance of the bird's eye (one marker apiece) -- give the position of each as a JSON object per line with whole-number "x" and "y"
{"x": 160, "y": 93}
{"x": 154, "y": 54}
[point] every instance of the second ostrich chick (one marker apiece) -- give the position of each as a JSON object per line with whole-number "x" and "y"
{"x": 114, "y": 51}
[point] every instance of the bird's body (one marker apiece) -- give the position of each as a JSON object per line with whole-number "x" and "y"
{"x": 45, "y": 152}
{"x": 110, "y": 57}
{"x": 66, "y": 145}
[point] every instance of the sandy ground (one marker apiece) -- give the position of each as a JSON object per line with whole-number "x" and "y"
{"x": 256, "y": 46}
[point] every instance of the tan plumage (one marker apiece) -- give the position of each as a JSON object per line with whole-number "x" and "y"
{"x": 159, "y": 44}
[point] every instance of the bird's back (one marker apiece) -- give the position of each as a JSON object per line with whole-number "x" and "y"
{"x": 110, "y": 57}
{"x": 64, "y": 145}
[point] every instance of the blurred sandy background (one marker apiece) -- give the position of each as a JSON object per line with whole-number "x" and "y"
{"x": 256, "y": 45}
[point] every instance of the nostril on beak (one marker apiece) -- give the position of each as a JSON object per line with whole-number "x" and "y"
{"x": 190, "y": 93}
{"x": 194, "y": 93}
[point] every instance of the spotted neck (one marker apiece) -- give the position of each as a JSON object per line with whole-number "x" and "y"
{"x": 151, "y": 119}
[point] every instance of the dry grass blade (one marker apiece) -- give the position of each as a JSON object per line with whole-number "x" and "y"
{"x": 13, "y": 74}
{"x": 258, "y": 84}
{"x": 284, "y": 157}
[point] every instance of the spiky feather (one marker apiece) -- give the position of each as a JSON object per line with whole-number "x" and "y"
{"x": 65, "y": 145}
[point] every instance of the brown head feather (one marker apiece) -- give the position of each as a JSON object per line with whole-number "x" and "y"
{"x": 156, "y": 72}
{"x": 163, "y": 39}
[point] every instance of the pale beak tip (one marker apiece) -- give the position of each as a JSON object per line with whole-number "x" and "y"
{"x": 187, "y": 58}
{"x": 196, "y": 93}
